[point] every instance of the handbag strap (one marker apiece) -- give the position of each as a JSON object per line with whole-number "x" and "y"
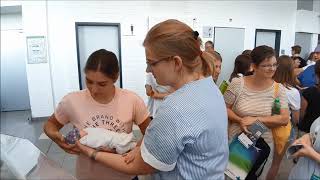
{"x": 276, "y": 90}
{"x": 240, "y": 91}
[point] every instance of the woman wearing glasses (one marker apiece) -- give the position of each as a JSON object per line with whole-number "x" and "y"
{"x": 250, "y": 98}
{"x": 188, "y": 137}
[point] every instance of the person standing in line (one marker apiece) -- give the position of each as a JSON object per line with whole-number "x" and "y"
{"x": 310, "y": 103}
{"x": 307, "y": 78}
{"x": 308, "y": 165}
{"x": 285, "y": 75}
{"x": 250, "y": 98}
{"x": 156, "y": 94}
{"x": 242, "y": 67}
{"x": 295, "y": 52}
{"x": 209, "y": 47}
{"x": 188, "y": 137}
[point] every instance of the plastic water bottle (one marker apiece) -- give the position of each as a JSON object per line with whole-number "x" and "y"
{"x": 276, "y": 106}
{"x": 72, "y": 136}
{"x": 223, "y": 86}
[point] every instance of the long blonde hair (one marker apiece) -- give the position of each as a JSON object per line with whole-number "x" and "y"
{"x": 174, "y": 38}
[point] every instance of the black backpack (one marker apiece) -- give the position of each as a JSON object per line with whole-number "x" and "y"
{"x": 258, "y": 166}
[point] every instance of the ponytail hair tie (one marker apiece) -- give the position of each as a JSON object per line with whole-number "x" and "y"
{"x": 195, "y": 35}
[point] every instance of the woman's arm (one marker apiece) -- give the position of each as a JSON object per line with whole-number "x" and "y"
{"x": 304, "y": 105}
{"x": 313, "y": 155}
{"x": 295, "y": 116}
{"x": 276, "y": 120}
{"x": 158, "y": 95}
{"x": 116, "y": 161}
{"x": 232, "y": 116}
{"x": 244, "y": 122}
{"x": 143, "y": 126}
{"x": 149, "y": 90}
{"x": 307, "y": 149}
{"x": 51, "y": 129}
{"x": 52, "y": 126}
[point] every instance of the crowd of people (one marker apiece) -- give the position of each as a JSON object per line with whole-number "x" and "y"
{"x": 188, "y": 123}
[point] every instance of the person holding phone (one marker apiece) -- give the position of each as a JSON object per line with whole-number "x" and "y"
{"x": 308, "y": 166}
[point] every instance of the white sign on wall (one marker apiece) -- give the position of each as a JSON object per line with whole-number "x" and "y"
{"x": 36, "y": 49}
{"x": 207, "y": 31}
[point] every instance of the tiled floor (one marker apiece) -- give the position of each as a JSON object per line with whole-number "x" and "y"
{"x": 17, "y": 124}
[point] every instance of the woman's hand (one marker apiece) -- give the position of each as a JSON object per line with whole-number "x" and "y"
{"x": 149, "y": 90}
{"x": 86, "y": 150}
{"x": 246, "y": 122}
{"x": 129, "y": 157}
{"x": 60, "y": 141}
{"x": 307, "y": 149}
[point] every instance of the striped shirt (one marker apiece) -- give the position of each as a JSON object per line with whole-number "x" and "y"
{"x": 188, "y": 137}
{"x": 252, "y": 103}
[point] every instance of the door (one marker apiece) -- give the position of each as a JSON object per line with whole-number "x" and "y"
{"x": 14, "y": 85}
{"x": 305, "y": 41}
{"x": 269, "y": 38}
{"x": 95, "y": 36}
{"x": 229, "y": 42}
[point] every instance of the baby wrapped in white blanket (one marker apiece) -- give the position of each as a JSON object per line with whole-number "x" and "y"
{"x": 100, "y": 138}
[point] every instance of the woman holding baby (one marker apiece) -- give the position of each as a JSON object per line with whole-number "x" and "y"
{"x": 187, "y": 139}
{"x": 101, "y": 105}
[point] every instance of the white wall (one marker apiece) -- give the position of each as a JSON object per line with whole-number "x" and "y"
{"x": 316, "y": 6}
{"x": 62, "y": 15}
{"x": 38, "y": 75}
{"x": 308, "y": 21}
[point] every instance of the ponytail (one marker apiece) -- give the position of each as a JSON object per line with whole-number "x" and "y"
{"x": 207, "y": 67}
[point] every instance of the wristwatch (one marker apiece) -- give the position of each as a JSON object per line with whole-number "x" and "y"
{"x": 94, "y": 154}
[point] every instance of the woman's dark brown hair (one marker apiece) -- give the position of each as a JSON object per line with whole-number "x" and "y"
{"x": 242, "y": 65}
{"x": 284, "y": 73}
{"x": 260, "y": 53}
{"x": 247, "y": 52}
{"x": 311, "y": 56}
{"x": 105, "y": 62}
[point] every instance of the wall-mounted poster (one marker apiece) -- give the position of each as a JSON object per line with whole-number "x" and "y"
{"x": 36, "y": 49}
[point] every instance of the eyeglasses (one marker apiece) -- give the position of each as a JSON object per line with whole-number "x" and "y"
{"x": 155, "y": 62}
{"x": 269, "y": 66}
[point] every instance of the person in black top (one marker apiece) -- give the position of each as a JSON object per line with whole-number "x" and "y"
{"x": 295, "y": 51}
{"x": 310, "y": 104}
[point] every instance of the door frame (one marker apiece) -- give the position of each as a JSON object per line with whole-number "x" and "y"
{"x": 277, "y": 40}
{"x": 77, "y": 25}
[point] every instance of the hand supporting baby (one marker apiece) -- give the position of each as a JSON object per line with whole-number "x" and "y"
{"x": 130, "y": 156}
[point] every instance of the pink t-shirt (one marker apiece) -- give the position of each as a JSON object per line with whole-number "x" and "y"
{"x": 81, "y": 110}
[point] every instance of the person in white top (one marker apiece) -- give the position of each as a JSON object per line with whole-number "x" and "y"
{"x": 156, "y": 93}
{"x": 285, "y": 75}
{"x": 311, "y": 59}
